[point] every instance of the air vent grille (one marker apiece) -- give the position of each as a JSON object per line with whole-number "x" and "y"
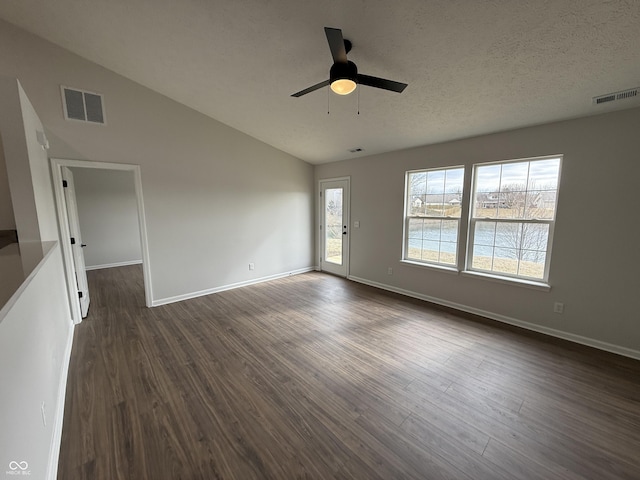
{"x": 627, "y": 94}
{"x": 83, "y": 106}
{"x": 615, "y": 96}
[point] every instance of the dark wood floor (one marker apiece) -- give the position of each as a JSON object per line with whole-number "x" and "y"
{"x": 316, "y": 377}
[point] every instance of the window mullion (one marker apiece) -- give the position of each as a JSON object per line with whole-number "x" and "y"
{"x": 515, "y": 220}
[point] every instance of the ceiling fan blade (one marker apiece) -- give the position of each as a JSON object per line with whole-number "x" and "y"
{"x": 311, "y": 89}
{"x": 336, "y": 44}
{"x": 381, "y": 83}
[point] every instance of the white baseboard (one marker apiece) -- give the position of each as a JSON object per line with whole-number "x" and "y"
{"x": 627, "y": 352}
{"x": 114, "y": 265}
{"x": 187, "y": 296}
{"x": 56, "y": 440}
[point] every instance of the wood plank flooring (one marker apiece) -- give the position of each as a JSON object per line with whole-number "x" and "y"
{"x": 316, "y": 377}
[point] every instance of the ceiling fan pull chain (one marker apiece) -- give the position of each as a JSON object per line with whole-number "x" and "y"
{"x": 328, "y": 97}
{"x": 358, "y": 101}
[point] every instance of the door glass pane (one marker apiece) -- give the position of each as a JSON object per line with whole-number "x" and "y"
{"x": 333, "y": 225}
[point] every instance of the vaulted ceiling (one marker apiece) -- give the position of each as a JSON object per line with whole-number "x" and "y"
{"x": 473, "y": 67}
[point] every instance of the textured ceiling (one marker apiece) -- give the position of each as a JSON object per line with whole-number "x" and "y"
{"x": 473, "y": 67}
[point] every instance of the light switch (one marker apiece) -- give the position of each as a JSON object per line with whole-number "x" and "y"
{"x": 356, "y": 224}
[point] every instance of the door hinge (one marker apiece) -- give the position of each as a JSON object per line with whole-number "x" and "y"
{"x": 64, "y": 184}
{"x": 320, "y": 193}
{"x": 79, "y": 294}
{"x": 73, "y": 241}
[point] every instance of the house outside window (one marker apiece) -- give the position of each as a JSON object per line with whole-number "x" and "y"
{"x": 513, "y": 217}
{"x": 432, "y": 215}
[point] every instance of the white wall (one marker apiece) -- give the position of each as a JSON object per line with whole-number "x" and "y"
{"x": 35, "y": 322}
{"x": 108, "y": 213}
{"x": 27, "y": 165}
{"x": 28, "y": 172}
{"x": 35, "y": 343}
{"x": 15, "y": 138}
{"x": 595, "y": 250}
{"x": 215, "y": 199}
{"x": 40, "y": 171}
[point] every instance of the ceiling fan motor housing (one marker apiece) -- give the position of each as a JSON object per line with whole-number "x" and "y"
{"x": 344, "y": 76}
{"x": 341, "y": 70}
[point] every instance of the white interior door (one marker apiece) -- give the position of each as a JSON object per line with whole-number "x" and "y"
{"x": 76, "y": 240}
{"x": 334, "y": 226}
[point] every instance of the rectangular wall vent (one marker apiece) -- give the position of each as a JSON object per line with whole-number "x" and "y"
{"x": 612, "y": 97}
{"x": 83, "y": 106}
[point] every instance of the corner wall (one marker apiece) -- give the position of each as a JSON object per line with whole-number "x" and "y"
{"x": 595, "y": 253}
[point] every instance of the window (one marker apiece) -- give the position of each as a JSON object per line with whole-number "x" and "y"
{"x": 432, "y": 215}
{"x": 511, "y": 218}
{"x": 511, "y": 226}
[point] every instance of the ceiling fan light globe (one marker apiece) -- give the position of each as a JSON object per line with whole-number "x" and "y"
{"x": 343, "y": 86}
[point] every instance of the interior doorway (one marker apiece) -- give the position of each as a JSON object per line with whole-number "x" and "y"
{"x": 59, "y": 172}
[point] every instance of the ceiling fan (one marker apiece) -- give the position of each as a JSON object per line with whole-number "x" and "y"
{"x": 344, "y": 76}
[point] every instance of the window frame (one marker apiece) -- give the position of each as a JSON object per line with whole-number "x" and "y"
{"x": 408, "y": 217}
{"x": 472, "y": 221}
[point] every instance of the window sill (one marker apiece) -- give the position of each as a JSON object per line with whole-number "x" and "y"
{"x": 440, "y": 268}
{"x": 518, "y": 282}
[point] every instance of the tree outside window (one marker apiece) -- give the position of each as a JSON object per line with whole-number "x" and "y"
{"x": 513, "y": 217}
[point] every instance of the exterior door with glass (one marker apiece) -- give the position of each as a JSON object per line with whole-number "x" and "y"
{"x": 334, "y": 226}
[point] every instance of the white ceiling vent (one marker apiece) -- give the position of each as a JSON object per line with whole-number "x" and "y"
{"x": 83, "y": 106}
{"x": 612, "y": 97}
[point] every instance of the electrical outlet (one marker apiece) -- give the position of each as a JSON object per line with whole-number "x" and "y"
{"x": 389, "y": 271}
{"x": 558, "y": 307}
{"x": 252, "y": 266}
{"x": 44, "y": 415}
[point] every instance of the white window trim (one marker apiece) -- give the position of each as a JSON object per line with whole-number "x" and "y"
{"x": 437, "y": 266}
{"x": 516, "y": 281}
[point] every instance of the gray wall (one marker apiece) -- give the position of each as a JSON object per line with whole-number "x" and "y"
{"x": 215, "y": 199}
{"x": 7, "y": 222}
{"x": 108, "y": 215}
{"x": 595, "y": 250}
